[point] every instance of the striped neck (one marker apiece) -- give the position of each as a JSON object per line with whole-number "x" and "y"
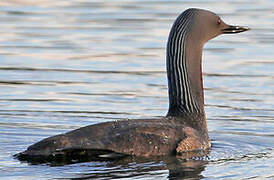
{"x": 184, "y": 72}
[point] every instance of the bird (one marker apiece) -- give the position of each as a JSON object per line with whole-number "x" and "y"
{"x": 183, "y": 129}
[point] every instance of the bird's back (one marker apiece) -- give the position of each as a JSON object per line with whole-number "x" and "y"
{"x": 139, "y": 137}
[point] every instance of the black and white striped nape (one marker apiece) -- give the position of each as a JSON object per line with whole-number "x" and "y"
{"x": 181, "y": 100}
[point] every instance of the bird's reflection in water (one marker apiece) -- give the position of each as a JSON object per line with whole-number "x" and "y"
{"x": 191, "y": 168}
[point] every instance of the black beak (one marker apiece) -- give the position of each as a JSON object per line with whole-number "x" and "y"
{"x": 234, "y": 29}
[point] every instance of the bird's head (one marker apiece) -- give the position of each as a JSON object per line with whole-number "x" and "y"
{"x": 207, "y": 25}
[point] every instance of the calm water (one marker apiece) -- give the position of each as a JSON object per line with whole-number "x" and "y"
{"x": 70, "y": 63}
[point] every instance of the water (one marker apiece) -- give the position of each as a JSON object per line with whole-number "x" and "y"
{"x": 67, "y": 64}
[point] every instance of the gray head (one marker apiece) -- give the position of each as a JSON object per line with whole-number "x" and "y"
{"x": 207, "y": 25}
{"x": 191, "y": 30}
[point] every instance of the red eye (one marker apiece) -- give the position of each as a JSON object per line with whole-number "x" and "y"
{"x": 219, "y": 21}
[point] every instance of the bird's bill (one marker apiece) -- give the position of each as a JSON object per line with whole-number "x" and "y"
{"x": 234, "y": 29}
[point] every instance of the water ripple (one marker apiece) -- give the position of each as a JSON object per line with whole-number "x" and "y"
{"x": 68, "y": 64}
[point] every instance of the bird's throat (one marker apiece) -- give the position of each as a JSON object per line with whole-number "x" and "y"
{"x": 184, "y": 69}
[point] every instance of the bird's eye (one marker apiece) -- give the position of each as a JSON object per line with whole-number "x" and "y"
{"x": 219, "y": 21}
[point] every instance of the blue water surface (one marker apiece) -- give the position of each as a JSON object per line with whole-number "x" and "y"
{"x": 70, "y": 63}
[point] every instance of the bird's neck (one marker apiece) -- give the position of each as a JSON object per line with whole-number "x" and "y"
{"x": 184, "y": 71}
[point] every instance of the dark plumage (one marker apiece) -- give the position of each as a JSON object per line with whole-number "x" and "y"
{"x": 184, "y": 128}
